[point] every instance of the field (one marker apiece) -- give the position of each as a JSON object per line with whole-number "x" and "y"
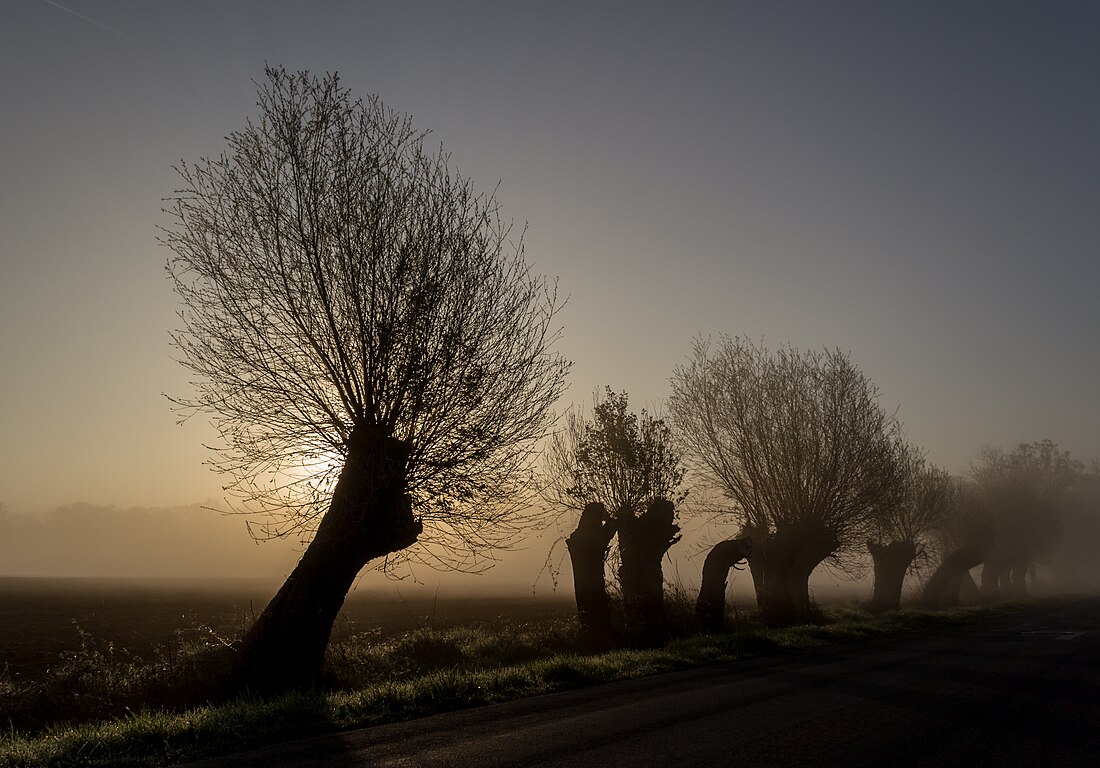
{"x": 395, "y": 658}
{"x": 40, "y": 618}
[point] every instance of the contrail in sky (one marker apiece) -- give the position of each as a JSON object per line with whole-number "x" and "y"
{"x": 91, "y": 21}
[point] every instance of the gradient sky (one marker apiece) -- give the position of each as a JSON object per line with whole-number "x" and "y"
{"x": 915, "y": 183}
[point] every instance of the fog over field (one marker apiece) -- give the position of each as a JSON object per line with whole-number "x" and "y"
{"x": 199, "y": 542}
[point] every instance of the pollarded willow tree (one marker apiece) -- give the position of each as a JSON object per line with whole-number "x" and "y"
{"x": 625, "y": 473}
{"x": 1008, "y": 517}
{"x": 800, "y": 444}
{"x": 962, "y": 540}
{"x": 370, "y": 343}
{"x": 903, "y": 533}
{"x": 1026, "y": 492}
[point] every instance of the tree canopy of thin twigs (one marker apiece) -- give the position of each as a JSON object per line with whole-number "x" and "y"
{"x": 797, "y": 440}
{"x": 1025, "y": 493}
{"x": 335, "y": 273}
{"x": 919, "y": 509}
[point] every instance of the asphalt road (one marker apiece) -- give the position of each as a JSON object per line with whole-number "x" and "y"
{"x": 1016, "y": 691}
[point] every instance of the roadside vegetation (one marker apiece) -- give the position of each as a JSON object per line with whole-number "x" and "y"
{"x": 103, "y": 707}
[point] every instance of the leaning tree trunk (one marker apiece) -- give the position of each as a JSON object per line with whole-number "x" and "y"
{"x": 643, "y": 541}
{"x": 710, "y": 608}
{"x": 370, "y": 516}
{"x": 891, "y": 561}
{"x": 587, "y": 547}
{"x": 942, "y": 589}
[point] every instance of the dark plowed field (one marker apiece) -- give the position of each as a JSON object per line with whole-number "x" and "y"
{"x": 39, "y": 618}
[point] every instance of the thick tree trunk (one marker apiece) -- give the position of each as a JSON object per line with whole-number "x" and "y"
{"x": 587, "y": 547}
{"x": 994, "y": 573}
{"x": 370, "y": 516}
{"x": 942, "y": 589}
{"x": 891, "y": 561}
{"x": 816, "y": 545}
{"x": 710, "y": 608}
{"x": 781, "y": 564}
{"x": 770, "y": 563}
{"x": 643, "y": 541}
{"x": 1017, "y": 578}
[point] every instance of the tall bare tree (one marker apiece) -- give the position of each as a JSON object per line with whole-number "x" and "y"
{"x": 903, "y": 532}
{"x": 800, "y": 445}
{"x": 625, "y": 473}
{"x": 370, "y": 343}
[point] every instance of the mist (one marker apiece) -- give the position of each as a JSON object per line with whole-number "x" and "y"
{"x": 200, "y": 542}
{"x": 88, "y": 540}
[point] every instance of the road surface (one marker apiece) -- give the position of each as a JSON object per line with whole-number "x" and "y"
{"x": 1015, "y": 691}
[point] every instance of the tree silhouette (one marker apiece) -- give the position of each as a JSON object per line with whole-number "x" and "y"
{"x": 799, "y": 443}
{"x": 903, "y": 531}
{"x": 370, "y": 343}
{"x": 963, "y": 539}
{"x": 710, "y": 607}
{"x": 624, "y": 471}
{"x": 1026, "y": 491}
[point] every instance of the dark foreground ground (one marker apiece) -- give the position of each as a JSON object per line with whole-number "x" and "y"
{"x": 41, "y": 618}
{"x": 1018, "y": 691}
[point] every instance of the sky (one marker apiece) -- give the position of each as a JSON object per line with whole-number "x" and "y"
{"x": 916, "y": 184}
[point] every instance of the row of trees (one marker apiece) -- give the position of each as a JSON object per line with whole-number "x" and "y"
{"x": 814, "y": 471}
{"x": 378, "y": 358}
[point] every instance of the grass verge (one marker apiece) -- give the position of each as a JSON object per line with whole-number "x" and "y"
{"x": 427, "y": 672}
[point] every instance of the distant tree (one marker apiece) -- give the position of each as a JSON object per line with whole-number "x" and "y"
{"x": 625, "y": 473}
{"x": 799, "y": 443}
{"x": 902, "y": 532}
{"x": 1073, "y": 556}
{"x": 1026, "y": 492}
{"x": 962, "y": 540}
{"x": 373, "y": 349}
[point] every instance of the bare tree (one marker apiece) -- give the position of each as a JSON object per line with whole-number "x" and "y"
{"x": 1026, "y": 492}
{"x": 1073, "y": 557}
{"x": 373, "y": 349}
{"x": 799, "y": 443}
{"x": 902, "y": 533}
{"x": 625, "y": 473}
{"x": 962, "y": 540}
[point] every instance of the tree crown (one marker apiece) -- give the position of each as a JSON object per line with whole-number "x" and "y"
{"x": 338, "y": 275}
{"x": 795, "y": 439}
{"x": 616, "y": 458}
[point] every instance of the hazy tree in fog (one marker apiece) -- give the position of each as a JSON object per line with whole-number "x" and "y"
{"x": 799, "y": 443}
{"x": 624, "y": 473}
{"x": 1074, "y": 557}
{"x": 1026, "y": 492}
{"x": 962, "y": 540}
{"x": 902, "y": 532}
{"x": 369, "y": 341}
